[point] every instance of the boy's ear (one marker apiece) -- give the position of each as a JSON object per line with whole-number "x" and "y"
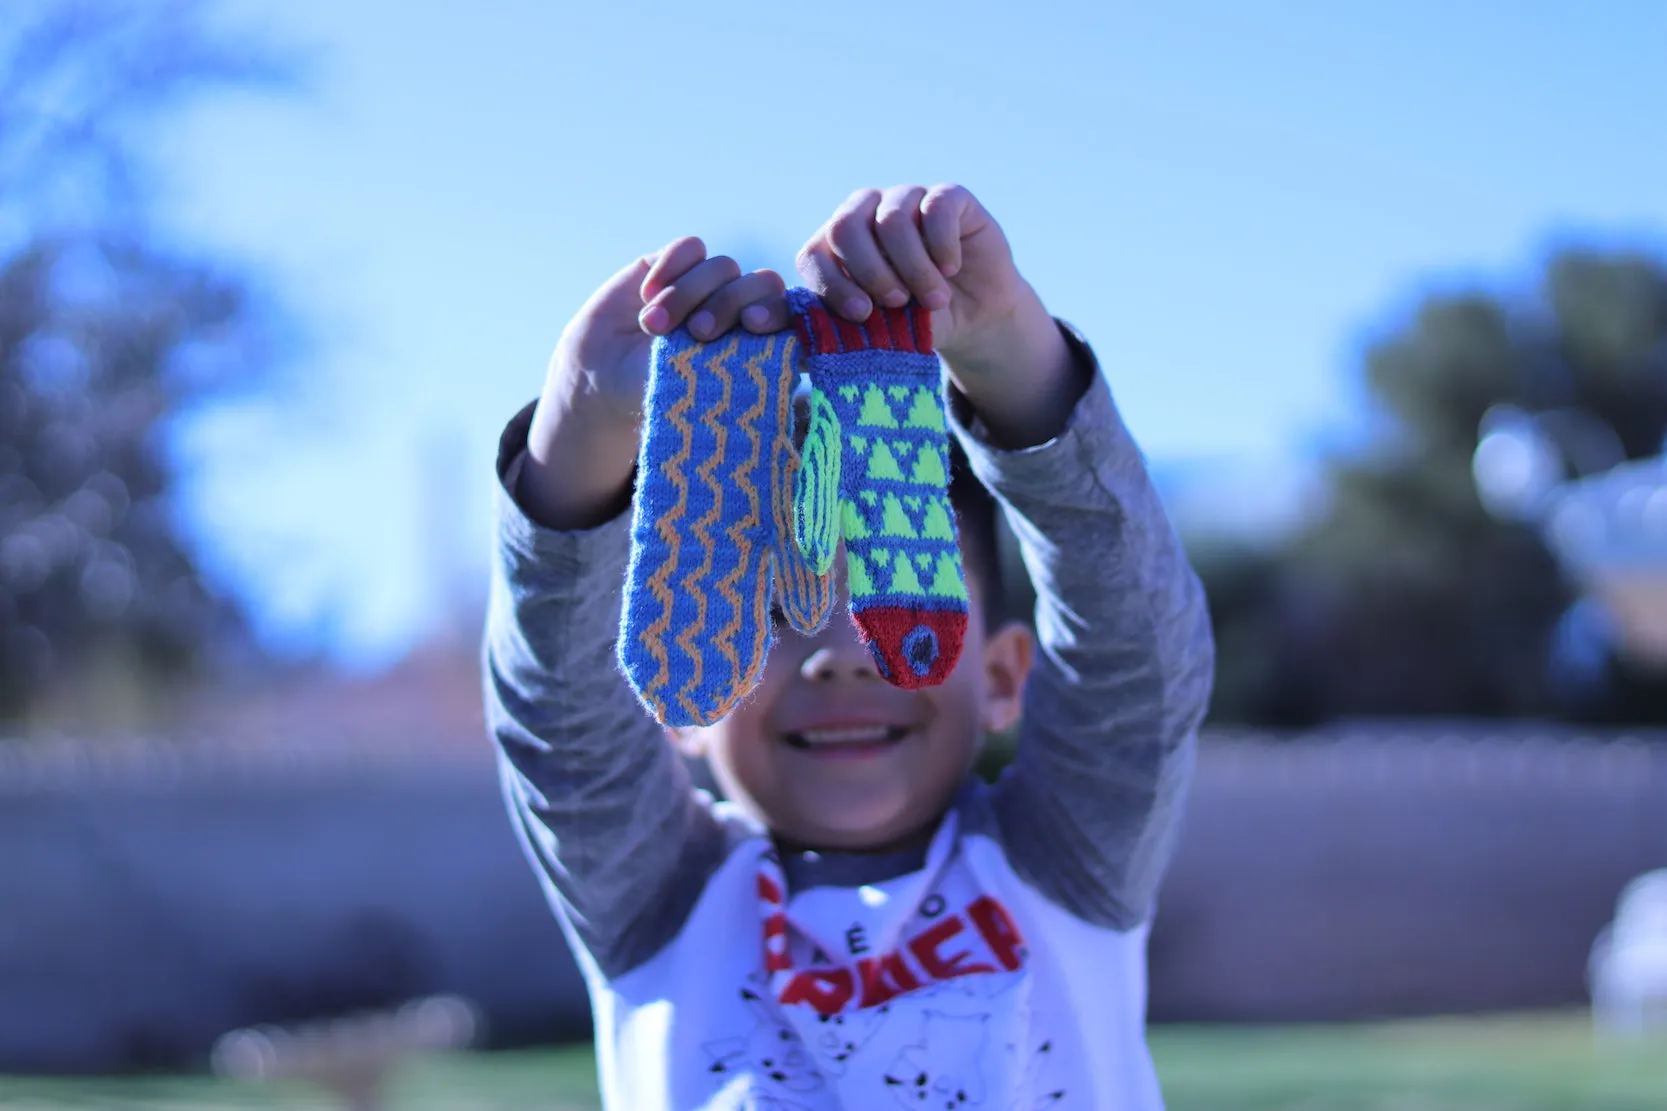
{"x": 690, "y": 742}
{"x": 1008, "y": 655}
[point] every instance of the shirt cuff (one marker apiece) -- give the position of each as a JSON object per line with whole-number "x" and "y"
{"x": 1093, "y": 452}
{"x": 523, "y": 540}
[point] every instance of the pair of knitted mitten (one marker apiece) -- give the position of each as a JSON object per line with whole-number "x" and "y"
{"x": 728, "y": 514}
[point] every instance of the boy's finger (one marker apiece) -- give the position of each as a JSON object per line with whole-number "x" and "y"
{"x": 674, "y": 260}
{"x": 673, "y": 304}
{"x": 725, "y": 308}
{"x": 851, "y": 235}
{"x": 896, "y": 222}
{"x": 823, "y": 275}
{"x": 771, "y": 312}
{"x": 765, "y": 317}
{"x": 941, "y": 215}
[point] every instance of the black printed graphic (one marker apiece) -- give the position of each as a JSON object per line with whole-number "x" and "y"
{"x": 770, "y": 1051}
{"x": 1035, "y": 1079}
{"x": 949, "y": 1076}
{"x": 842, "y": 1036}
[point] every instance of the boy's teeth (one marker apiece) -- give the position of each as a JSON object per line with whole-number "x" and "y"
{"x": 867, "y": 734}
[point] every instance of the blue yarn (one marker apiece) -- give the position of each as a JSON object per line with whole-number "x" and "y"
{"x": 706, "y": 534}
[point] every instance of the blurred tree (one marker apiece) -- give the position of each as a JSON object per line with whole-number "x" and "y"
{"x": 1258, "y": 631}
{"x": 105, "y": 335}
{"x": 1405, "y": 596}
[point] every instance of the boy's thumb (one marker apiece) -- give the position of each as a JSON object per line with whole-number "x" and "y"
{"x": 623, "y": 292}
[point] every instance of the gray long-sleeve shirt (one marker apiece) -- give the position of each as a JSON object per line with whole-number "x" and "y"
{"x": 1087, "y": 814}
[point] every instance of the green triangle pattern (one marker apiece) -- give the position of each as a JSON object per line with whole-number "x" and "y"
{"x": 925, "y": 412}
{"x": 896, "y": 490}
{"x": 938, "y": 525}
{"x": 903, "y": 577}
{"x": 948, "y": 582}
{"x": 929, "y": 469}
{"x": 857, "y": 575}
{"x": 875, "y": 412}
{"x": 895, "y": 522}
{"x": 882, "y": 464}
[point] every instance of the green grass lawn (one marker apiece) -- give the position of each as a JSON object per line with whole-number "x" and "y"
{"x": 1497, "y": 1064}
{"x": 1524, "y": 1063}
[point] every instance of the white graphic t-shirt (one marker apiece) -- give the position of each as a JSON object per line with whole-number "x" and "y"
{"x": 952, "y": 987}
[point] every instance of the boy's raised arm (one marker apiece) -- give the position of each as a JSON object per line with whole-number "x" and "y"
{"x": 602, "y": 801}
{"x": 599, "y": 798}
{"x": 1088, "y": 813}
{"x": 1090, "y": 808}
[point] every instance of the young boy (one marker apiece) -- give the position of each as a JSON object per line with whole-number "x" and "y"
{"x": 861, "y": 923}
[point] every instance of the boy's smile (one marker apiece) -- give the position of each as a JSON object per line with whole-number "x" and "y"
{"x": 843, "y": 740}
{"x": 828, "y": 755}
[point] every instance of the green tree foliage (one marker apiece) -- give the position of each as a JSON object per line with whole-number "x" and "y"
{"x": 106, "y": 334}
{"x": 1404, "y": 596}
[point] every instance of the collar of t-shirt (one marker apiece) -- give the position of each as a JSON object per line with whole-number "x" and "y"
{"x": 847, "y": 914}
{"x": 807, "y": 869}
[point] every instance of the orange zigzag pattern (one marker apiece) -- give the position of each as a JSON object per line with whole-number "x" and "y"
{"x": 745, "y": 675}
{"x": 654, "y": 636}
{"x": 713, "y": 419}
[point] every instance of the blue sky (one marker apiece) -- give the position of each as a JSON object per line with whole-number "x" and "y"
{"x": 1228, "y": 197}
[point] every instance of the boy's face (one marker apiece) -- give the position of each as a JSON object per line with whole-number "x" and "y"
{"x": 828, "y": 755}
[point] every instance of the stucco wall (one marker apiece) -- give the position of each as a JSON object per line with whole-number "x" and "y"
{"x": 146, "y": 909}
{"x": 152, "y": 897}
{"x": 1414, "y": 876}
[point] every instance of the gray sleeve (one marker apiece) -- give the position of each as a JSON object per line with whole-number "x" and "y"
{"x": 1089, "y": 809}
{"x": 621, "y": 841}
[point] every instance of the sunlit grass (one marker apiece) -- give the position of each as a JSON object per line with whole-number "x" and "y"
{"x": 1518, "y": 1063}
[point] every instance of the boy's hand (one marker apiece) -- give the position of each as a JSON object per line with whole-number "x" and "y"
{"x": 582, "y": 446}
{"x": 939, "y": 246}
{"x": 605, "y": 347}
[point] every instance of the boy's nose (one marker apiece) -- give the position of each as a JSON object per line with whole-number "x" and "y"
{"x": 841, "y": 656}
{"x": 839, "y": 653}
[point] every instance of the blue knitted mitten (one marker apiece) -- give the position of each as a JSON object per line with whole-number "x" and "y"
{"x": 712, "y": 525}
